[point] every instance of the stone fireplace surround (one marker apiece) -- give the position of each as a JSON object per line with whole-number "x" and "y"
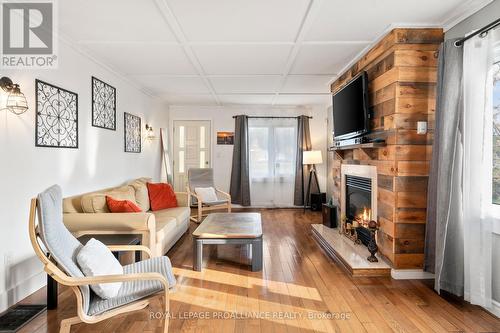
{"x": 402, "y": 76}
{"x": 352, "y": 256}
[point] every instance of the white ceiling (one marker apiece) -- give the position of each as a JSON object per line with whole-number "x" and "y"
{"x": 271, "y": 52}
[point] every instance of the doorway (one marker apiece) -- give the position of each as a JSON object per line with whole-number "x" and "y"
{"x": 192, "y": 149}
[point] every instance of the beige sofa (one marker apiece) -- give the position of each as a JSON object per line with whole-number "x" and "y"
{"x": 88, "y": 214}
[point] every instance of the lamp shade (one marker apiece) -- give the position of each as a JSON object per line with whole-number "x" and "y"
{"x": 16, "y": 102}
{"x": 312, "y": 157}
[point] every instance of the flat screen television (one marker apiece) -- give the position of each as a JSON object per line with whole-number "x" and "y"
{"x": 350, "y": 109}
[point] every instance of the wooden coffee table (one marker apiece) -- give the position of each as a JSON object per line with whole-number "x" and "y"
{"x": 229, "y": 228}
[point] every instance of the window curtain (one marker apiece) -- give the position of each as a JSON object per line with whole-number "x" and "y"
{"x": 302, "y": 171}
{"x": 478, "y": 210}
{"x": 444, "y": 241}
{"x": 240, "y": 180}
{"x": 460, "y": 212}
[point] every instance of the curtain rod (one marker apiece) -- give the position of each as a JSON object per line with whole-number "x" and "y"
{"x": 481, "y": 32}
{"x": 271, "y": 117}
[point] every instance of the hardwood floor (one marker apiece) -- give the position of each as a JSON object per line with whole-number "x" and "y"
{"x": 299, "y": 290}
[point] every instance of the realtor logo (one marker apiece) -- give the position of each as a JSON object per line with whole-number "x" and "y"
{"x": 28, "y": 39}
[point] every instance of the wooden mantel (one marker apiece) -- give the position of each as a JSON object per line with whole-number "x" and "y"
{"x": 402, "y": 75}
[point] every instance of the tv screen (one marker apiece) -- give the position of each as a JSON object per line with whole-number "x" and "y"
{"x": 350, "y": 109}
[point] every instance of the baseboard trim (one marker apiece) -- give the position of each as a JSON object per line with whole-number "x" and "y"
{"x": 22, "y": 290}
{"x": 411, "y": 274}
{"x": 495, "y": 309}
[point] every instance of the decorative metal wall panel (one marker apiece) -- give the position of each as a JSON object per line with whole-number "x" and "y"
{"x": 132, "y": 133}
{"x": 103, "y": 105}
{"x": 56, "y": 116}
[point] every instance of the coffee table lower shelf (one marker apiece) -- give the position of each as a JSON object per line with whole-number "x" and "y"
{"x": 256, "y": 244}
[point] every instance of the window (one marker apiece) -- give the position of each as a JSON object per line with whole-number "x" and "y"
{"x": 285, "y": 148}
{"x": 273, "y": 148}
{"x": 496, "y": 134}
{"x": 259, "y": 152}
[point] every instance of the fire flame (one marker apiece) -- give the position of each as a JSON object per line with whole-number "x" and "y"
{"x": 366, "y": 216}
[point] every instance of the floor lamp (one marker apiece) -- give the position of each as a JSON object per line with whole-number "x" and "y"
{"x": 311, "y": 157}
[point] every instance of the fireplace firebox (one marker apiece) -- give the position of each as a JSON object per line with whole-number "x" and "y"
{"x": 358, "y": 199}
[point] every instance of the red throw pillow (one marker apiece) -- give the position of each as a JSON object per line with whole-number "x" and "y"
{"x": 161, "y": 196}
{"x": 122, "y": 206}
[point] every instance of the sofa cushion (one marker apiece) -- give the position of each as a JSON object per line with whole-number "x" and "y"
{"x": 141, "y": 192}
{"x": 96, "y": 202}
{"x": 122, "y": 206}
{"x": 72, "y": 204}
{"x": 165, "y": 227}
{"x": 180, "y": 214}
{"x": 161, "y": 196}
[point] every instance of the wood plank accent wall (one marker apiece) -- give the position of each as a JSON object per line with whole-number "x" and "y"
{"x": 402, "y": 75}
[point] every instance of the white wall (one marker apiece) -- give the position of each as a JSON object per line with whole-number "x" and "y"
{"x": 99, "y": 162}
{"x": 222, "y": 120}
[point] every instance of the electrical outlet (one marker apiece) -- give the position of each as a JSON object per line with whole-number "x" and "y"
{"x": 421, "y": 127}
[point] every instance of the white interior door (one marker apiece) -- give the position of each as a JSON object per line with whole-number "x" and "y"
{"x": 273, "y": 149}
{"x": 191, "y": 149}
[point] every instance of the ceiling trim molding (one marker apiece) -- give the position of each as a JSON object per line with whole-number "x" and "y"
{"x": 458, "y": 15}
{"x": 85, "y": 53}
{"x": 237, "y": 43}
{"x": 309, "y": 16}
{"x": 225, "y": 43}
{"x": 228, "y": 76}
{"x": 463, "y": 11}
{"x": 236, "y": 76}
{"x": 173, "y": 24}
{"x": 231, "y": 106}
{"x": 335, "y": 42}
{"x": 252, "y": 94}
{"x": 126, "y": 42}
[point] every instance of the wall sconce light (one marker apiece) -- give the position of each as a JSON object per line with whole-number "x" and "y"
{"x": 150, "y": 133}
{"x": 16, "y": 102}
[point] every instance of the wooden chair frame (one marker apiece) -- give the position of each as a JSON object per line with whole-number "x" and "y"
{"x": 74, "y": 282}
{"x": 204, "y": 208}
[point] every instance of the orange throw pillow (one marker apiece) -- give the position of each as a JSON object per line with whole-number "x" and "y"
{"x": 161, "y": 196}
{"x": 122, "y": 206}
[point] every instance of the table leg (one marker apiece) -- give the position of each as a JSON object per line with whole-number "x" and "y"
{"x": 137, "y": 256}
{"x": 51, "y": 293}
{"x": 197, "y": 254}
{"x": 257, "y": 254}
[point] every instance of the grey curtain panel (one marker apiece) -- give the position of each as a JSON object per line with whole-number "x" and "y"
{"x": 444, "y": 245}
{"x": 302, "y": 171}
{"x": 240, "y": 179}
